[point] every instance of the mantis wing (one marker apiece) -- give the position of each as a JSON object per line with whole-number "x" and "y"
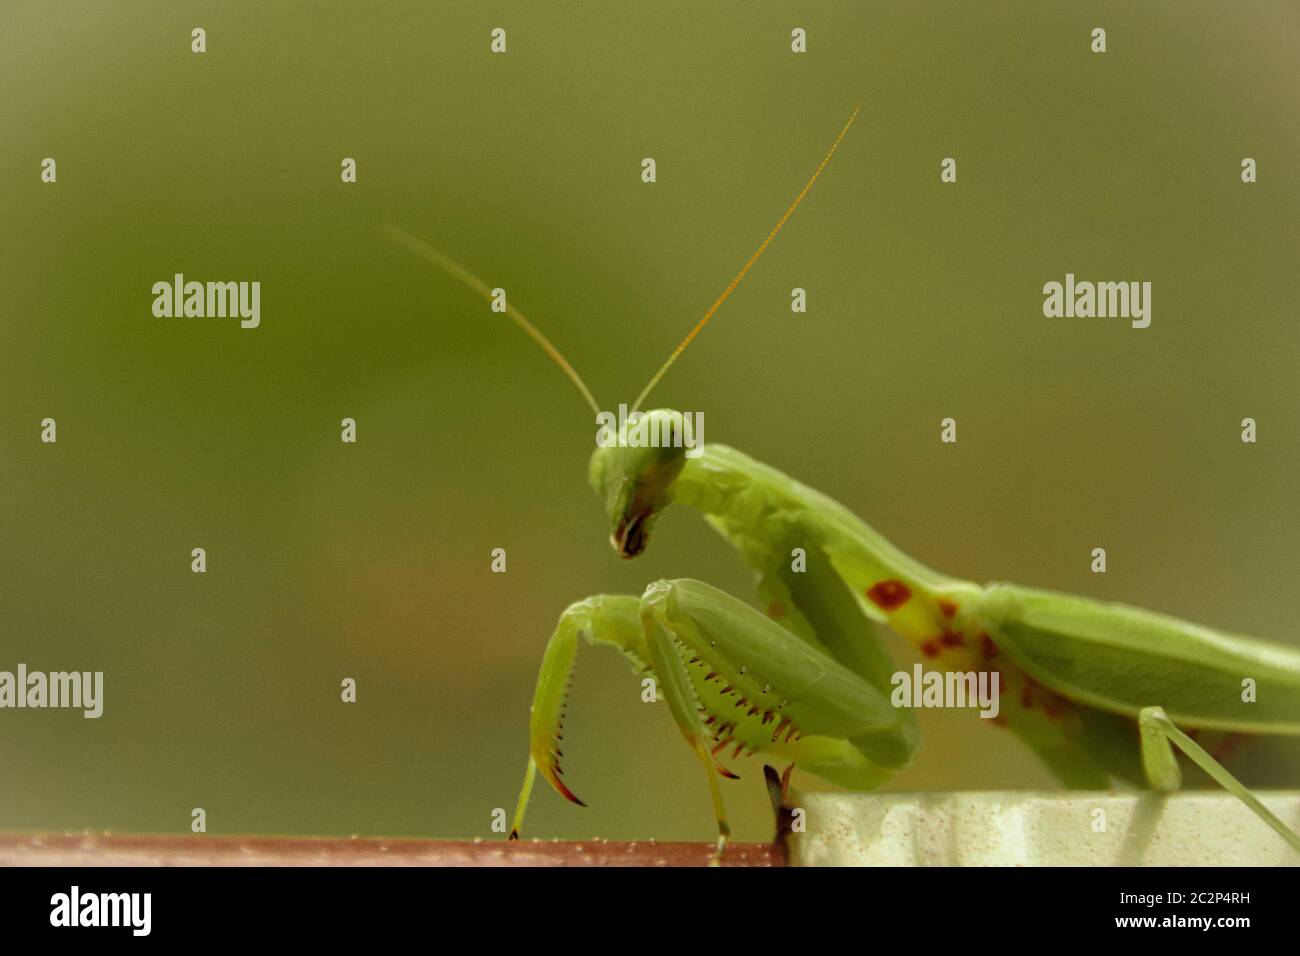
{"x": 1122, "y": 659}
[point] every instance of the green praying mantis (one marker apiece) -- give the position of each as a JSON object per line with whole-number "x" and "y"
{"x": 1101, "y": 692}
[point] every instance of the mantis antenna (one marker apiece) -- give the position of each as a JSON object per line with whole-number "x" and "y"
{"x": 731, "y": 286}
{"x": 458, "y": 271}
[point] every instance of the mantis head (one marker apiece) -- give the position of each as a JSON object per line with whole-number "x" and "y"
{"x": 634, "y": 475}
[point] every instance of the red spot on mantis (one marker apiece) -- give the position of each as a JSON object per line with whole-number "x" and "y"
{"x": 930, "y": 649}
{"x": 987, "y": 647}
{"x": 951, "y": 639}
{"x": 776, "y": 609}
{"x": 889, "y": 595}
{"x": 947, "y": 608}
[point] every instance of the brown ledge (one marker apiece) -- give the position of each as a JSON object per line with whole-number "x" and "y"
{"x": 110, "y": 849}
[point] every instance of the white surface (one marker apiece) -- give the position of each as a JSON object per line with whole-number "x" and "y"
{"x": 1028, "y": 828}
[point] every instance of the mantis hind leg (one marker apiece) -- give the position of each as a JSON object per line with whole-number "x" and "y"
{"x": 1160, "y": 735}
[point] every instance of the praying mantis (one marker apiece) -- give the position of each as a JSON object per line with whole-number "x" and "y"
{"x": 1102, "y": 692}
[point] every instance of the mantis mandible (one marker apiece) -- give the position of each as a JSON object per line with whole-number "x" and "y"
{"x": 1101, "y": 692}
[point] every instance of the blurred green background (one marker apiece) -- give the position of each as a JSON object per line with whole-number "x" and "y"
{"x": 328, "y": 560}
